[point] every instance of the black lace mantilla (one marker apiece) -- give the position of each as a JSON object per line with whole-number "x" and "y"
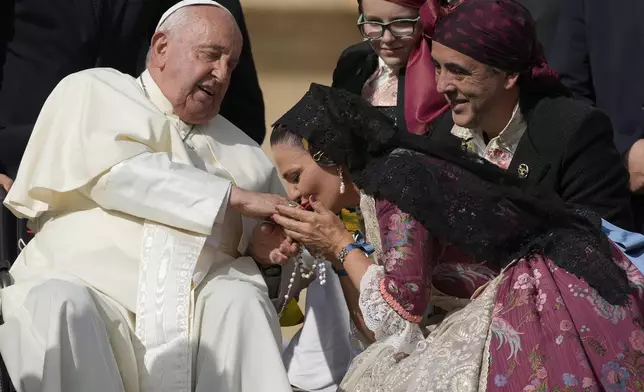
{"x": 458, "y": 197}
{"x": 492, "y": 223}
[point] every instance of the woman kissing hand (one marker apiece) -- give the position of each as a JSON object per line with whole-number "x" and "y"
{"x": 319, "y": 229}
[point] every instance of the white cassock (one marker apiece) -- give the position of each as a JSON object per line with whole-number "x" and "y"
{"x": 135, "y": 280}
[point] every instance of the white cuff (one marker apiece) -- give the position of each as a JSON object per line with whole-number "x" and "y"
{"x": 152, "y": 187}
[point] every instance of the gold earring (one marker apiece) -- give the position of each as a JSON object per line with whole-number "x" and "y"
{"x": 317, "y": 156}
{"x": 342, "y": 187}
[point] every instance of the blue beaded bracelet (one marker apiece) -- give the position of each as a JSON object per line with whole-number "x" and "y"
{"x": 340, "y": 272}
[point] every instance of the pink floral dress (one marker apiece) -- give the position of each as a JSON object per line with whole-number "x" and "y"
{"x": 548, "y": 330}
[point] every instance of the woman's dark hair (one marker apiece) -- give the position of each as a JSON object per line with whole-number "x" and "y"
{"x": 282, "y": 135}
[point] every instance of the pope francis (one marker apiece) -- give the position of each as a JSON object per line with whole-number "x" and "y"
{"x": 144, "y": 202}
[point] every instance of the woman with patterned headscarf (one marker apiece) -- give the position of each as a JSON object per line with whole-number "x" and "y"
{"x": 392, "y": 68}
{"x": 526, "y": 293}
{"x": 508, "y": 106}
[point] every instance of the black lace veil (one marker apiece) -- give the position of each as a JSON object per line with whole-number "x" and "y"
{"x": 462, "y": 198}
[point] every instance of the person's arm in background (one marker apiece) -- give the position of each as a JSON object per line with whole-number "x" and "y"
{"x": 5, "y": 182}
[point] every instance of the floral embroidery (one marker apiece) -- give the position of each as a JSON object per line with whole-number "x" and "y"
{"x": 614, "y": 377}
{"x": 500, "y": 380}
{"x": 637, "y": 340}
{"x": 541, "y": 300}
{"x": 539, "y": 377}
{"x": 588, "y": 384}
{"x": 565, "y": 325}
{"x": 403, "y": 308}
{"x": 559, "y": 303}
{"x": 400, "y": 229}
{"x": 498, "y": 156}
{"x": 604, "y": 309}
{"x": 505, "y": 333}
{"x": 473, "y": 274}
{"x": 570, "y": 380}
{"x": 524, "y": 282}
{"x": 397, "y": 240}
{"x": 392, "y": 257}
{"x": 635, "y": 277}
{"x": 399, "y": 289}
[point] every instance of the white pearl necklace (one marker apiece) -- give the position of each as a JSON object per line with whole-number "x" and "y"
{"x": 318, "y": 265}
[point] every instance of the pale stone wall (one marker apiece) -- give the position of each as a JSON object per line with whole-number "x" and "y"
{"x": 296, "y": 42}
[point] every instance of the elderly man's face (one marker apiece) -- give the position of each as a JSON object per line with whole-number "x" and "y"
{"x": 195, "y": 63}
{"x": 470, "y": 87}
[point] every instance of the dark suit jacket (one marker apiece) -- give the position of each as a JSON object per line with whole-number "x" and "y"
{"x": 546, "y": 17}
{"x": 355, "y": 65}
{"x": 243, "y": 104}
{"x": 42, "y": 41}
{"x": 599, "y": 53}
{"x": 567, "y": 148}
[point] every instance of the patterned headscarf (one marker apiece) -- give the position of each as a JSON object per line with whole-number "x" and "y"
{"x": 423, "y": 104}
{"x": 501, "y": 34}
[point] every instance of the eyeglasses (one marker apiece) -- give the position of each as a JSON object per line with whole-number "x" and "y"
{"x": 398, "y": 28}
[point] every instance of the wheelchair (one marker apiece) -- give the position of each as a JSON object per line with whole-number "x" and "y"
{"x": 10, "y": 232}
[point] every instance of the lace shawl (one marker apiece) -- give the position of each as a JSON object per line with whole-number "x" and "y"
{"x": 459, "y": 198}
{"x": 491, "y": 222}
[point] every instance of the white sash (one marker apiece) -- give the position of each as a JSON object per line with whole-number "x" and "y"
{"x": 164, "y": 307}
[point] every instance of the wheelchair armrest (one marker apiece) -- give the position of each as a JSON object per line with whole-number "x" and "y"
{"x": 5, "y": 277}
{"x": 5, "y": 242}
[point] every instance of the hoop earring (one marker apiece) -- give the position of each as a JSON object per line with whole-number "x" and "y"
{"x": 342, "y": 186}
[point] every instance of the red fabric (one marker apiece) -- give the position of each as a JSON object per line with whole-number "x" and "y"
{"x": 423, "y": 104}
{"x": 415, "y": 260}
{"x": 551, "y": 331}
{"x": 501, "y": 34}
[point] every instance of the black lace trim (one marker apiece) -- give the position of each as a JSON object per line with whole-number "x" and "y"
{"x": 463, "y": 199}
{"x": 493, "y": 223}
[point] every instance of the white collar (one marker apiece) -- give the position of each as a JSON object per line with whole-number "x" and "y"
{"x": 155, "y": 95}
{"x": 158, "y": 99}
{"x": 510, "y": 135}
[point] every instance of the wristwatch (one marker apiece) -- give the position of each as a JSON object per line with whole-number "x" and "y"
{"x": 359, "y": 243}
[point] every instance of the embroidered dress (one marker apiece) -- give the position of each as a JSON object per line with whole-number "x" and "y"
{"x": 531, "y": 327}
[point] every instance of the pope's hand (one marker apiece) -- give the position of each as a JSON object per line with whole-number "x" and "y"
{"x": 5, "y": 182}
{"x": 319, "y": 229}
{"x": 254, "y": 204}
{"x": 269, "y": 245}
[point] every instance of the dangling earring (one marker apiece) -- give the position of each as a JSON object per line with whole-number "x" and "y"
{"x": 342, "y": 187}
